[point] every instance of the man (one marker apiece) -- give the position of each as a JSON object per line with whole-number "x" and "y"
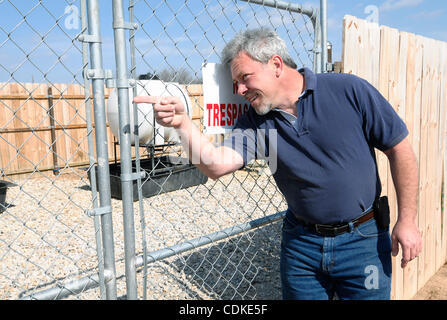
{"x": 326, "y": 128}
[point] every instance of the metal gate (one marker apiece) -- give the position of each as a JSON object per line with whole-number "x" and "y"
{"x": 161, "y": 229}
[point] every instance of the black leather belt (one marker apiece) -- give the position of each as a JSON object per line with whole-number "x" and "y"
{"x": 338, "y": 229}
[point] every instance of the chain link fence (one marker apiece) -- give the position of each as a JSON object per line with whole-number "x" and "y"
{"x": 140, "y": 225}
{"x": 46, "y": 239}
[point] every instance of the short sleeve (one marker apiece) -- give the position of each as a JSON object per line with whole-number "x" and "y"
{"x": 243, "y": 138}
{"x": 382, "y": 125}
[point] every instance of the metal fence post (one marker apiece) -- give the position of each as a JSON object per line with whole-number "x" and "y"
{"x": 97, "y": 74}
{"x": 324, "y": 46}
{"x": 122, "y": 87}
{"x": 91, "y": 148}
{"x": 137, "y": 149}
{"x": 317, "y": 44}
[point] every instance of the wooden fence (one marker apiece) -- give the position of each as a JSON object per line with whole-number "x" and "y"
{"x": 411, "y": 72}
{"x": 36, "y": 120}
{"x": 44, "y": 128}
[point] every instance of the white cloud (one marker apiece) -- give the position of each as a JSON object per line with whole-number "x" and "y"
{"x": 428, "y": 14}
{"x": 390, "y": 5}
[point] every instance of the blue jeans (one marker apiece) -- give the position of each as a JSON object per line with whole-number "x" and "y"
{"x": 354, "y": 265}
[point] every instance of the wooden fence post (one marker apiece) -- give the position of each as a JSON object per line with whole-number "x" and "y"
{"x": 53, "y": 147}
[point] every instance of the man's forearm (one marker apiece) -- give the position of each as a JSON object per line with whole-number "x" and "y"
{"x": 404, "y": 171}
{"x": 211, "y": 160}
{"x": 406, "y": 181}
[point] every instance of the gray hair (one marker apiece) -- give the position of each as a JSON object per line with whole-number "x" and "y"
{"x": 260, "y": 44}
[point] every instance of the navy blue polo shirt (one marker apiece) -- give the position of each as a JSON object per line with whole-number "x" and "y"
{"x": 323, "y": 159}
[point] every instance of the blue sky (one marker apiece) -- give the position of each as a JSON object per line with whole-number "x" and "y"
{"x": 424, "y": 17}
{"x": 36, "y": 38}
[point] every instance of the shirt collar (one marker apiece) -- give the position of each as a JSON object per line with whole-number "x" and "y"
{"x": 310, "y": 79}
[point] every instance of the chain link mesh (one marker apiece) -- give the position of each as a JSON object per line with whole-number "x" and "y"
{"x": 174, "y": 39}
{"x": 46, "y": 238}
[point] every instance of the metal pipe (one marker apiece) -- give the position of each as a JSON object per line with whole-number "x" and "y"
{"x": 122, "y": 83}
{"x": 317, "y": 46}
{"x": 324, "y": 48}
{"x": 80, "y": 285}
{"x": 102, "y": 148}
{"x": 91, "y": 150}
{"x": 53, "y": 146}
{"x": 207, "y": 239}
{"x": 314, "y": 16}
{"x": 294, "y": 7}
{"x": 329, "y": 52}
{"x": 137, "y": 147}
{"x": 70, "y": 288}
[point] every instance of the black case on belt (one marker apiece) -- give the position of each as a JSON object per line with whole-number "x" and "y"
{"x": 382, "y": 212}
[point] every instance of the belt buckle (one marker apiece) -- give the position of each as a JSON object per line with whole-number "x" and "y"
{"x": 325, "y": 230}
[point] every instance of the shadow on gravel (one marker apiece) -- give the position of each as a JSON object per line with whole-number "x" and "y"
{"x": 243, "y": 267}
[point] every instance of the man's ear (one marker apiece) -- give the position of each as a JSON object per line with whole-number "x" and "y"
{"x": 278, "y": 64}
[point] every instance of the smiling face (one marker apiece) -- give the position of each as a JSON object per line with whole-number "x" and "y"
{"x": 255, "y": 82}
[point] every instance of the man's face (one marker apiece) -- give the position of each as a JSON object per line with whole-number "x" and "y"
{"x": 254, "y": 82}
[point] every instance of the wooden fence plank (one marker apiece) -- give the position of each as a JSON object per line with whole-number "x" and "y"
{"x": 373, "y": 58}
{"x": 7, "y": 150}
{"x": 75, "y": 153}
{"x": 438, "y": 146}
{"x": 443, "y": 133}
{"x": 44, "y": 137}
{"x": 412, "y": 119}
{"x": 362, "y": 46}
{"x": 399, "y": 102}
{"x": 350, "y": 36}
{"x": 21, "y": 119}
{"x": 82, "y": 152}
{"x": 60, "y": 119}
{"x": 382, "y": 161}
{"x": 389, "y": 83}
{"x": 424, "y": 275}
{"x": 432, "y": 165}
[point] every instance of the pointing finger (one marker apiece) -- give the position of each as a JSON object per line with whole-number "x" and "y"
{"x": 146, "y": 99}
{"x": 169, "y": 100}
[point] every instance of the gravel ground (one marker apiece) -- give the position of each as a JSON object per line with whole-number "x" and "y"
{"x": 46, "y": 239}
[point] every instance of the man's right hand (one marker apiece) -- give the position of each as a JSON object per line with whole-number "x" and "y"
{"x": 169, "y": 111}
{"x": 213, "y": 161}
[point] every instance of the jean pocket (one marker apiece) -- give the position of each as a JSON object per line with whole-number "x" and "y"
{"x": 371, "y": 230}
